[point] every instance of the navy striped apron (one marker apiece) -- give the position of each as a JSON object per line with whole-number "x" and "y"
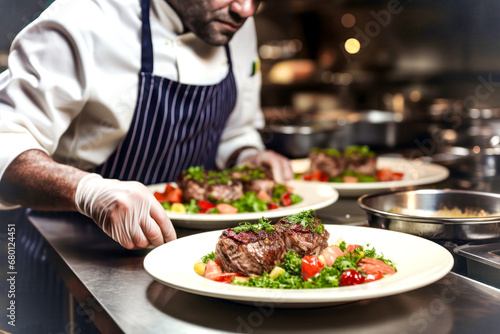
{"x": 174, "y": 126}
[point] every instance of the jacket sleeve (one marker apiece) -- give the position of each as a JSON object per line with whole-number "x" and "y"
{"x": 41, "y": 92}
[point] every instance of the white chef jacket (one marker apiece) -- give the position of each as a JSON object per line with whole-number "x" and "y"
{"x": 72, "y": 82}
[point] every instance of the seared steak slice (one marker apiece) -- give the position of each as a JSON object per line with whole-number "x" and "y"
{"x": 231, "y": 191}
{"x": 362, "y": 165}
{"x": 257, "y": 185}
{"x": 326, "y": 163}
{"x": 193, "y": 189}
{"x": 303, "y": 238}
{"x": 249, "y": 253}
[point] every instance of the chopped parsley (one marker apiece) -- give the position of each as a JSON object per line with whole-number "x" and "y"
{"x": 358, "y": 151}
{"x": 262, "y": 224}
{"x": 308, "y": 220}
{"x": 196, "y": 173}
{"x": 208, "y": 257}
{"x": 329, "y": 151}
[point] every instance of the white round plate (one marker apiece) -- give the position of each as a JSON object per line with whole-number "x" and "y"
{"x": 315, "y": 195}
{"x": 419, "y": 262}
{"x": 416, "y": 173}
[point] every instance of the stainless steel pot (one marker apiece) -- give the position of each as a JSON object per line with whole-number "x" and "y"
{"x": 293, "y": 135}
{"x": 475, "y": 162}
{"x": 379, "y": 210}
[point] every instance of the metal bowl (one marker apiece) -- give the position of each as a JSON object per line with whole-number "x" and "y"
{"x": 379, "y": 207}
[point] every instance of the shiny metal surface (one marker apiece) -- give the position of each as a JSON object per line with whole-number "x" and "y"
{"x": 119, "y": 296}
{"x": 378, "y": 209}
{"x": 293, "y": 135}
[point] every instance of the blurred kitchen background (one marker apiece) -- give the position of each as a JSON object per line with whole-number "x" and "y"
{"x": 396, "y": 75}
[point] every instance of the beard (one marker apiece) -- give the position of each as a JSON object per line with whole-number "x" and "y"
{"x": 216, "y": 29}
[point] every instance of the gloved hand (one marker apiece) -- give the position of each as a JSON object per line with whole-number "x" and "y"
{"x": 280, "y": 165}
{"x": 126, "y": 210}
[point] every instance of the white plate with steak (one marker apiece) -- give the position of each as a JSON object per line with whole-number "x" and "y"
{"x": 315, "y": 195}
{"x": 415, "y": 173}
{"x": 419, "y": 262}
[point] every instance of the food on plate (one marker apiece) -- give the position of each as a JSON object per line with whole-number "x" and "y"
{"x": 446, "y": 213}
{"x": 294, "y": 253}
{"x": 236, "y": 190}
{"x": 354, "y": 164}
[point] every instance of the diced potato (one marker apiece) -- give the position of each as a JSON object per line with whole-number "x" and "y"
{"x": 178, "y": 207}
{"x": 199, "y": 268}
{"x": 276, "y": 271}
{"x": 322, "y": 259}
{"x": 240, "y": 279}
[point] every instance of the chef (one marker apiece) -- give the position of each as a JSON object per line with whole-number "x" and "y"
{"x": 102, "y": 97}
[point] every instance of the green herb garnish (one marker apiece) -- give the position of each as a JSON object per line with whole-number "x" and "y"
{"x": 196, "y": 173}
{"x": 308, "y": 220}
{"x": 262, "y": 224}
{"x": 356, "y": 150}
{"x": 208, "y": 257}
{"x": 329, "y": 151}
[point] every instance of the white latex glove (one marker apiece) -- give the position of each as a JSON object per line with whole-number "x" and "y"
{"x": 126, "y": 210}
{"x": 280, "y": 165}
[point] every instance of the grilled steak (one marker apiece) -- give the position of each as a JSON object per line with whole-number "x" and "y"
{"x": 255, "y": 179}
{"x": 192, "y": 189}
{"x": 326, "y": 163}
{"x": 361, "y": 159}
{"x": 249, "y": 253}
{"x": 362, "y": 165}
{"x": 228, "y": 192}
{"x": 303, "y": 233}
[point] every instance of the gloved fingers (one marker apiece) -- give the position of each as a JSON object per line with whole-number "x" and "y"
{"x": 139, "y": 238}
{"x": 153, "y": 232}
{"x": 116, "y": 233}
{"x": 160, "y": 217}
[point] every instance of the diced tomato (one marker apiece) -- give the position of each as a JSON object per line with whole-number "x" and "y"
{"x": 226, "y": 208}
{"x": 205, "y": 205}
{"x": 350, "y": 179}
{"x": 373, "y": 277}
{"x": 351, "y": 277}
{"x": 331, "y": 253}
{"x": 203, "y": 211}
{"x": 311, "y": 266}
{"x": 213, "y": 271}
{"x": 171, "y": 194}
{"x": 351, "y": 248}
{"x": 263, "y": 195}
{"x": 272, "y": 206}
{"x": 397, "y": 176}
{"x": 372, "y": 266}
{"x": 174, "y": 196}
{"x": 227, "y": 277}
{"x": 286, "y": 200}
{"x": 386, "y": 174}
{"x": 159, "y": 197}
{"x": 316, "y": 176}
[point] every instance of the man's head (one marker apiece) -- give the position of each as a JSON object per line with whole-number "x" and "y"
{"x": 214, "y": 21}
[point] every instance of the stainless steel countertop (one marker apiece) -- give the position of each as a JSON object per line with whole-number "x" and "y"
{"x": 118, "y": 295}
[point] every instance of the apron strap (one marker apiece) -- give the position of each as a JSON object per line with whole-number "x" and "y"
{"x": 147, "y": 44}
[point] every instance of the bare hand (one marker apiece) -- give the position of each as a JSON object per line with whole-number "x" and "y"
{"x": 125, "y": 210}
{"x": 280, "y": 165}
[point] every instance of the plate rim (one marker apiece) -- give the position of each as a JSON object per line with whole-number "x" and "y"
{"x": 441, "y": 174}
{"x": 280, "y": 212}
{"x": 313, "y": 297}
